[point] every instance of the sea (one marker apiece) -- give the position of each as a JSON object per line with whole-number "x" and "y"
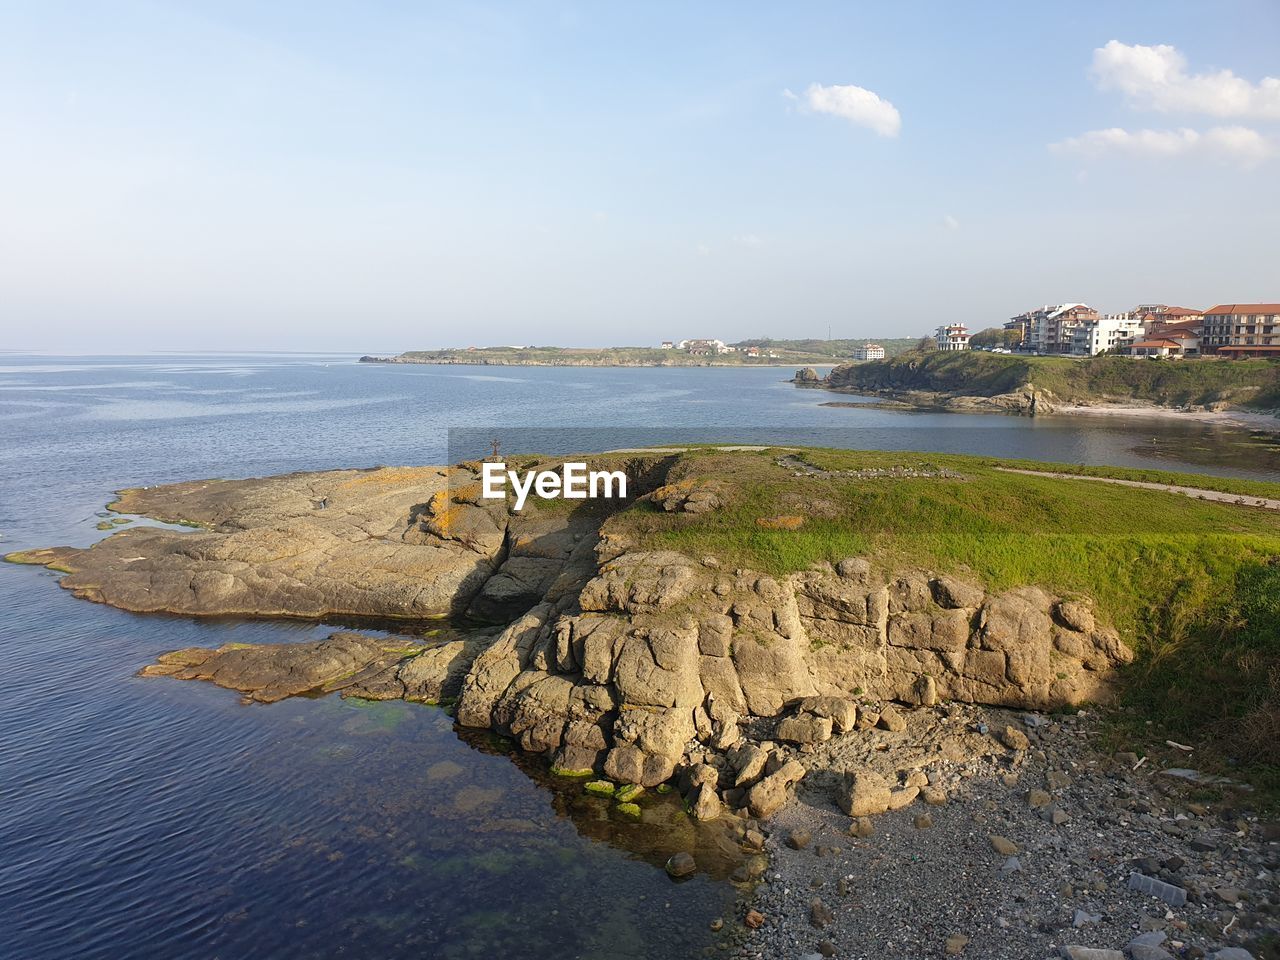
{"x": 155, "y": 818}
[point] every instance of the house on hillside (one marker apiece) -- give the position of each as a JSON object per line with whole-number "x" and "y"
{"x": 868, "y": 351}
{"x": 951, "y": 337}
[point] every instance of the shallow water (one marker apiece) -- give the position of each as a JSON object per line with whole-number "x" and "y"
{"x": 157, "y": 818}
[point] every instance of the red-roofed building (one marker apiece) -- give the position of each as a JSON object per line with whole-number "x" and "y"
{"x": 1242, "y": 330}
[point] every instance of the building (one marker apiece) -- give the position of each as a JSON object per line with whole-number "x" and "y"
{"x": 668, "y": 345}
{"x": 1052, "y": 329}
{"x": 954, "y": 336}
{"x": 1113, "y": 331}
{"x": 751, "y": 352}
{"x": 868, "y": 351}
{"x": 703, "y": 348}
{"x": 1155, "y": 347}
{"x": 1242, "y": 330}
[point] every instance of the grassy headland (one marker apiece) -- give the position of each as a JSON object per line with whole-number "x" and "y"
{"x": 1093, "y": 380}
{"x": 1192, "y": 586}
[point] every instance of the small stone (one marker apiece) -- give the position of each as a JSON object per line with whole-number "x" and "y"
{"x": 820, "y": 914}
{"x": 1232, "y": 953}
{"x": 826, "y": 948}
{"x": 1055, "y": 815}
{"x": 1057, "y": 780}
{"x": 1013, "y": 738}
{"x": 717, "y": 925}
{"x": 681, "y": 864}
{"x": 1003, "y": 846}
{"x": 892, "y": 720}
{"x": 754, "y": 838}
{"x": 1142, "y": 951}
{"x": 1010, "y": 866}
{"x": 924, "y": 822}
{"x": 862, "y": 827}
{"x": 1037, "y": 799}
{"x": 799, "y": 838}
{"x": 1126, "y": 758}
{"x": 1228, "y": 895}
{"x": 1081, "y": 918}
{"x": 955, "y": 944}
{"x": 805, "y": 729}
{"x": 1034, "y": 720}
{"x": 754, "y": 919}
{"x": 1009, "y": 780}
{"x": 933, "y": 796}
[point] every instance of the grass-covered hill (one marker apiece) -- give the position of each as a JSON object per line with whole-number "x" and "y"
{"x": 1193, "y": 586}
{"x": 835, "y": 349}
{"x": 1254, "y": 383}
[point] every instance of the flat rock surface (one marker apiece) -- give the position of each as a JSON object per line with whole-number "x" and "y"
{"x": 403, "y": 542}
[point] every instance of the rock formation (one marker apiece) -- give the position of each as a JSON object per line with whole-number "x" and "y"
{"x": 615, "y": 659}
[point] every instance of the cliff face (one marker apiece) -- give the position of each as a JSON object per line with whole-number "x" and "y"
{"x": 657, "y": 650}
{"x": 979, "y": 379}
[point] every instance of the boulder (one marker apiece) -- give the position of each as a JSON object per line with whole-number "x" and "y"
{"x": 804, "y": 728}
{"x": 864, "y": 794}
{"x": 770, "y": 794}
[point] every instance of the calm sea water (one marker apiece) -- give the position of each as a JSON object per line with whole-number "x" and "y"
{"x": 153, "y": 818}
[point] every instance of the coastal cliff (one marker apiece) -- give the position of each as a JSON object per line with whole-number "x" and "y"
{"x": 740, "y": 608}
{"x": 975, "y": 381}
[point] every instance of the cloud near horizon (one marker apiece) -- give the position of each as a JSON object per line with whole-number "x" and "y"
{"x": 856, "y": 104}
{"x": 1240, "y": 145}
{"x": 1156, "y": 78}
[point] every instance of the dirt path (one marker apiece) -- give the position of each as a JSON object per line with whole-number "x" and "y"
{"x": 1198, "y": 493}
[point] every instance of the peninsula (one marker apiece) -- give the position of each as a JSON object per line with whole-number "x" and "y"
{"x": 751, "y": 624}
{"x": 684, "y": 353}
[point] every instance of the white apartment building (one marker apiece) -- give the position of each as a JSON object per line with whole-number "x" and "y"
{"x": 953, "y": 336}
{"x": 1111, "y": 331}
{"x": 868, "y": 351}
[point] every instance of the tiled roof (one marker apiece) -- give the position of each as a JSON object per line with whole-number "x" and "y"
{"x": 1237, "y": 308}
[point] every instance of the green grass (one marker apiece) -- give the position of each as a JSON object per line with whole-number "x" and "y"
{"x": 1193, "y": 586}
{"x": 1253, "y": 383}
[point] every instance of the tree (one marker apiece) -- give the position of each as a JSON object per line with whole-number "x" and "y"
{"x": 926, "y": 345}
{"x": 995, "y": 337}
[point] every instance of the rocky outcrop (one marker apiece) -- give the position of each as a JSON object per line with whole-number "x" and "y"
{"x": 659, "y": 653}
{"x": 613, "y": 660}
{"x": 402, "y": 543}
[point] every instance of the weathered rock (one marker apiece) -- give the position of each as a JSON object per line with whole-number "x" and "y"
{"x": 865, "y": 793}
{"x": 954, "y": 594}
{"x": 955, "y": 944}
{"x": 273, "y": 671}
{"x": 706, "y": 803}
{"x": 1076, "y": 952}
{"x": 770, "y": 794}
{"x": 1013, "y": 738}
{"x": 1003, "y": 846}
{"x": 681, "y": 864}
{"x": 805, "y": 728}
{"x": 799, "y": 838}
{"x": 842, "y": 713}
{"x": 892, "y": 720}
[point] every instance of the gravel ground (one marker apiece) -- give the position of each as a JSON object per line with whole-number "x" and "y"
{"x": 907, "y": 888}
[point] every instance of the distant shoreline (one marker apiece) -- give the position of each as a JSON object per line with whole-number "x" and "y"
{"x": 455, "y": 360}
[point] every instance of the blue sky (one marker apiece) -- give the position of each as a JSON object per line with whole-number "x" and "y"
{"x": 378, "y": 176}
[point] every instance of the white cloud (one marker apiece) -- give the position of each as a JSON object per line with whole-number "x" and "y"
{"x": 1156, "y": 78}
{"x": 855, "y": 104}
{"x": 950, "y": 222}
{"x": 748, "y": 240}
{"x": 1233, "y": 144}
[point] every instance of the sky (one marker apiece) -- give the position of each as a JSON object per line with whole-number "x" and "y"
{"x": 377, "y": 177}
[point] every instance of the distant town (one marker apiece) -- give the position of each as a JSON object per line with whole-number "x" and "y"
{"x": 1234, "y": 330}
